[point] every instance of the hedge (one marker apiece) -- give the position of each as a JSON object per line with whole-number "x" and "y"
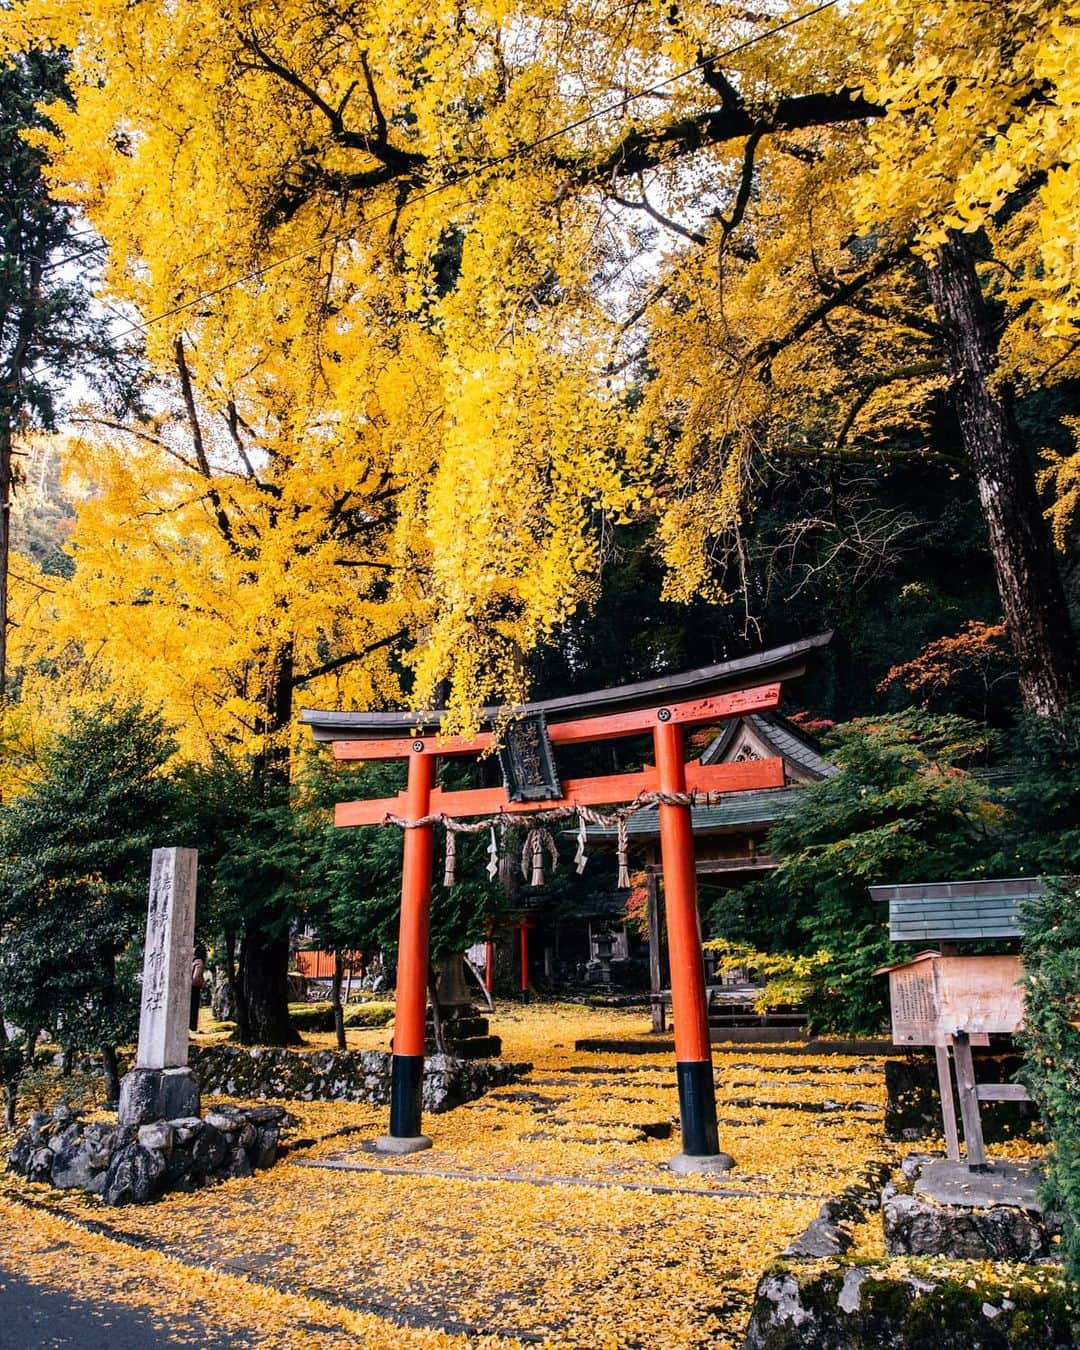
{"x": 1051, "y": 1039}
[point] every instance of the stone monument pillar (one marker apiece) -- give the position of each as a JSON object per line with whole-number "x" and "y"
{"x": 161, "y": 1086}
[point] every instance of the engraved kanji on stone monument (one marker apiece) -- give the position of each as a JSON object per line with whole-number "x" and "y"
{"x": 170, "y": 944}
{"x": 161, "y": 1086}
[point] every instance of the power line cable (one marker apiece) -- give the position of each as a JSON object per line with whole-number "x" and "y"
{"x": 515, "y": 153}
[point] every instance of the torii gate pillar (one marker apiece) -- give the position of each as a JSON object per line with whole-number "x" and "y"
{"x": 407, "y": 1069}
{"x": 689, "y": 1008}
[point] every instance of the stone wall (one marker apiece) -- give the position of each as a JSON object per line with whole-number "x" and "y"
{"x": 328, "y": 1075}
{"x": 129, "y": 1165}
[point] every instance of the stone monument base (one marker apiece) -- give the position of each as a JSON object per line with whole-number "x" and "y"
{"x": 158, "y": 1094}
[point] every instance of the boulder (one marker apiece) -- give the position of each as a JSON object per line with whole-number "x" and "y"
{"x": 209, "y": 1148}
{"x": 157, "y": 1137}
{"x": 851, "y": 1307}
{"x": 134, "y": 1164}
{"x": 133, "y": 1177}
{"x": 915, "y": 1226}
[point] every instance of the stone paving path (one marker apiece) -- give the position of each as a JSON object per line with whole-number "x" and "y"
{"x": 34, "y": 1316}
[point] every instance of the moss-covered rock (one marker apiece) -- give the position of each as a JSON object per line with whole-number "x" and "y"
{"x": 850, "y": 1307}
{"x": 320, "y": 1016}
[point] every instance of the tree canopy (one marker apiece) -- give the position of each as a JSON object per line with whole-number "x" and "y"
{"x": 75, "y": 852}
{"x": 461, "y": 289}
{"x": 451, "y": 312}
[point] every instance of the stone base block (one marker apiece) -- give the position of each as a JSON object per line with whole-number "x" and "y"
{"x": 391, "y": 1143}
{"x": 476, "y": 1047}
{"x": 689, "y": 1164}
{"x": 147, "y": 1095}
{"x": 994, "y": 1215}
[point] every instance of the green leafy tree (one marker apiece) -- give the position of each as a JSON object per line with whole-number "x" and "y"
{"x": 902, "y": 808}
{"x": 1051, "y": 1038}
{"x": 1043, "y": 836}
{"x": 352, "y": 879}
{"x": 251, "y": 880}
{"x": 74, "y": 867}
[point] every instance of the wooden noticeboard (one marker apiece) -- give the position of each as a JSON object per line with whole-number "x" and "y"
{"x": 958, "y": 1002}
{"x": 934, "y": 996}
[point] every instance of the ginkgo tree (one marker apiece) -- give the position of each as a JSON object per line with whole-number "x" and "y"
{"x": 440, "y": 294}
{"x": 850, "y": 194}
{"x": 220, "y": 569}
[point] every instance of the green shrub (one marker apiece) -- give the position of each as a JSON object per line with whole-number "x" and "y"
{"x": 902, "y": 807}
{"x": 1051, "y": 1038}
{"x": 320, "y": 1016}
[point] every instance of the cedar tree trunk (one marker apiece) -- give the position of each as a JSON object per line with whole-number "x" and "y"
{"x": 6, "y": 485}
{"x": 262, "y": 1003}
{"x": 262, "y": 1009}
{"x": 1032, "y": 594}
{"x": 110, "y": 1072}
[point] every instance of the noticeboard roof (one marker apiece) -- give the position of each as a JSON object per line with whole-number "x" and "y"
{"x": 957, "y": 911}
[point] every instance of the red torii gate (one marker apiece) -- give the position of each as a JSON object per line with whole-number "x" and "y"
{"x": 665, "y": 707}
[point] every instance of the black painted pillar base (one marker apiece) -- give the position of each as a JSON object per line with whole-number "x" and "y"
{"x": 406, "y": 1090}
{"x": 697, "y": 1113}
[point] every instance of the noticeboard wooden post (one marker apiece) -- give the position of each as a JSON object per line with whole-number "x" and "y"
{"x": 934, "y": 996}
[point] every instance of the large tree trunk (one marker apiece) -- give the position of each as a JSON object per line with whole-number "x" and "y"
{"x": 10, "y": 1075}
{"x": 262, "y": 1003}
{"x": 1030, "y": 586}
{"x": 110, "y": 1069}
{"x": 262, "y": 1008}
{"x": 6, "y": 485}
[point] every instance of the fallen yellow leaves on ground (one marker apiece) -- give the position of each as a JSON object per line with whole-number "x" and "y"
{"x": 545, "y": 1212}
{"x": 193, "y": 1305}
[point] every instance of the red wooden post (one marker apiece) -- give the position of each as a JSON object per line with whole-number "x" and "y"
{"x": 489, "y": 959}
{"x": 407, "y": 1071}
{"x": 693, "y": 1052}
{"x": 523, "y": 935}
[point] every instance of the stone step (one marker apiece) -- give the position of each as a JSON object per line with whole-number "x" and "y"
{"x": 461, "y": 1028}
{"x": 475, "y": 1047}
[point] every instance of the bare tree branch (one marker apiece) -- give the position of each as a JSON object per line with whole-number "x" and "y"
{"x": 224, "y": 524}
{"x": 673, "y": 225}
{"x": 339, "y": 662}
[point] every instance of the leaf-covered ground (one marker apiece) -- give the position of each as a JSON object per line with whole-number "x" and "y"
{"x": 544, "y": 1214}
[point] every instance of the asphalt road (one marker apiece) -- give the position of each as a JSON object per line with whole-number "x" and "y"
{"x": 34, "y": 1317}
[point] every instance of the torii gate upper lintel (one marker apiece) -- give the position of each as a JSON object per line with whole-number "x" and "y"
{"x": 666, "y": 707}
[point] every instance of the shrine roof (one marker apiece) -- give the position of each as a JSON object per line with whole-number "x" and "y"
{"x": 773, "y": 665}
{"x": 736, "y": 811}
{"x": 786, "y": 740}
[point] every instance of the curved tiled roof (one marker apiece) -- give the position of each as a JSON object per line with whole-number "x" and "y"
{"x": 785, "y": 738}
